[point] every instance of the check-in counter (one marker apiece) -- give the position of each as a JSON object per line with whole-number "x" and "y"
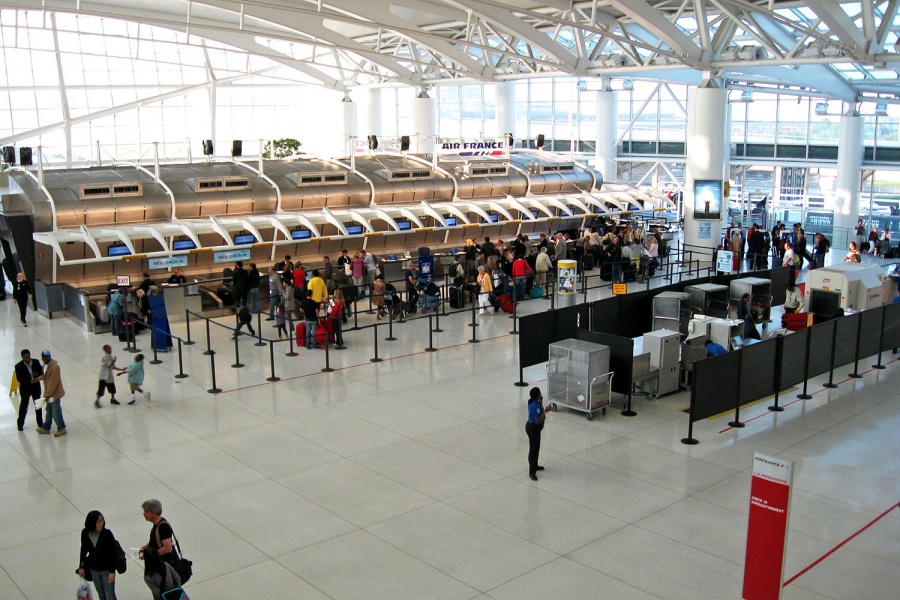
{"x": 179, "y": 298}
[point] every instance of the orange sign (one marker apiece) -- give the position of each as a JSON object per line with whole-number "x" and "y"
{"x": 620, "y": 289}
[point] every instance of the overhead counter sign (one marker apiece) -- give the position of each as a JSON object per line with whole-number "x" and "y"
{"x": 487, "y": 147}
{"x": 167, "y": 262}
{"x": 231, "y": 255}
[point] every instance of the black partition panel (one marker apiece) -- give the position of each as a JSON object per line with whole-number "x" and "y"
{"x": 780, "y": 278}
{"x": 847, "y": 328}
{"x": 621, "y": 357}
{"x": 820, "y": 347}
{"x": 711, "y": 393}
{"x": 793, "y": 358}
{"x": 605, "y": 316}
{"x": 636, "y": 313}
{"x": 569, "y": 320}
{"x": 757, "y": 371}
{"x": 891, "y": 337}
{"x": 870, "y": 323}
{"x": 535, "y": 337}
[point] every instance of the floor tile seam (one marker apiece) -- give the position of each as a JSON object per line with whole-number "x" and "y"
{"x": 854, "y": 438}
{"x": 13, "y": 581}
{"x": 612, "y": 574}
{"x": 684, "y": 543}
{"x": 679, "y": 454}
{"x": 42, "y": 473}
{"x": 859, "y": 470}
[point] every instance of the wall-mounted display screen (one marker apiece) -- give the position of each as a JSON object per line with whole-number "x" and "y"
{"x": 494, "y": 218}
{"x": 354, "y": 229}
{"x": 707, "y": 199}
{"x": 183, "y": 245}
{"x": 118, "y": 250}
{"x": 404, "y": 225}
{"x": 451, "y": 221}
{"x": 242, "y": 239}
{"x": 300, "y": 234}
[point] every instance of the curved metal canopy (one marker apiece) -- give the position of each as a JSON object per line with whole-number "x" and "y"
{"x": 829, "y": 48}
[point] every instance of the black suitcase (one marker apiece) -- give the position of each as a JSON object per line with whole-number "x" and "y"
{"x": 587, "y": 261}
{"x": 606, "y": 271}
{"x": 225, "y": 295}
{"x": 351, "y": 293}
{"x": 457, "y": 299}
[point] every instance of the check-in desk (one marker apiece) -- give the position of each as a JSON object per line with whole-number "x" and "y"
{"x": 179, "y": 298}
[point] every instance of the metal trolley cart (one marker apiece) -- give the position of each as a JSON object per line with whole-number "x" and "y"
{"x": 578, "y": 376}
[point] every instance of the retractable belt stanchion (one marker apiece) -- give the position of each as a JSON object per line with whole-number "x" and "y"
{"x": 131, "y": 334}
{"x": 779, "y": 351}
{"x": 514, "y": 317}
{"x": 272, "y": 362}
{"x": 831, "y": 384}
{"x": 212, "y": 369}
{"x": 521, "y": 382}
{"x": 181, "y": 373}
{"x": 153, "y": 334}
{"x": 327, "y": 368}
{"x": 473, "y": 324}
{"x": 375, "y": 331}
{"x": 437, "y": 320}
{"x": 430, "y": 347}
{"x": 856, "y": 374}
{"x": 209, "y": 350}
{"x": 187, "y": 325}
{"x": 878, "y": 365}
{"x": 804, "y": 395}
{"x": 737, "y": 401}
{"x": 390, "y": 337}
{"x": 291, "y": 335}
{"x": 237, "y": 353}
{"x": 259, "y": 341}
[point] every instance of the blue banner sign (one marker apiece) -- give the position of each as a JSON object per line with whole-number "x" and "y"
{"x": 231, "y": 255}
{"x": 166, "y": 262}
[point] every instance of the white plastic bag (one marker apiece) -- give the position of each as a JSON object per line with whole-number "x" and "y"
{"x": 83, "y": 591}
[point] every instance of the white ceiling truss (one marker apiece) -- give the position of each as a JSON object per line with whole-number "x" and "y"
{"x": 829, "y": 48}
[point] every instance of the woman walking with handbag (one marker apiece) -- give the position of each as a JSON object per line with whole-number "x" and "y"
{"x": 98, "y": 555}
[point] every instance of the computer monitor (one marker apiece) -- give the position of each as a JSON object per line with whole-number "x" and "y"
{"x": 451, "y": 221}
{"x": 737, "y": 342}
{"x": 118, "y": 250}
{"x": 243, "y": 239}
{"x": 300, "y": 234}
{"x": 404, "y": 225}
{"x": 707, "y": 199}
{"x": 183, "y": 245}
{"x": 354, "y": 229}
{"x": 495, "y": 218}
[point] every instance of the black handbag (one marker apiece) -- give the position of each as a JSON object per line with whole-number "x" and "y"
{"x": 121, "y": 559}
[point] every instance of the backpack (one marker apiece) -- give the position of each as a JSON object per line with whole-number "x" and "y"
{"x": 458, "y": 271}
{"x": 244, "y": 316}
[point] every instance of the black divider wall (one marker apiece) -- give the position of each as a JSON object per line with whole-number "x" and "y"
{"x": 846, "y": 339}
{"x": 871, "y": 331}
{"x": 820, "y": 348}
{"x": 891, "y": 338}
{"x": 757, "y": 371}
{"x": 636, "y": 313}
{"x": 567, "y": 322}
{"x": 605, "y": 316}
{"x": 621, "y": 357}
{"x": 780, "y": 278}
{"x": 793, "y": 358}
{"x": 711, "y": 393}
{"x": 535, "y": 337}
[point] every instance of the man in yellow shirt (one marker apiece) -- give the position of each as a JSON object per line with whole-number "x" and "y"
{"x": 318, "y": 287}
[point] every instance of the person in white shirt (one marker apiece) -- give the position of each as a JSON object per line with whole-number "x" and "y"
{"x": 793, "y": 299}
{"x": 788, "y": 260}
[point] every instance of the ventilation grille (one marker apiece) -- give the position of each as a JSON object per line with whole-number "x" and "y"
{"x": 404, "y": 174}
{"x": 553, "y": 168}
{"x": 89, "y": 191}
{"x": 484, "y": 169}
{"x": 324, "y": 178}
{"x": 221, "y": 184}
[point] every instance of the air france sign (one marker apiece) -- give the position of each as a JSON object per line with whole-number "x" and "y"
{"x": 231, "y": 255}
{"x": 167, "y": 262}
{"x": 494, "y": 147}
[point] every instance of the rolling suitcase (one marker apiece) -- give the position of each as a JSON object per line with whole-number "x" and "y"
{"x": 225, "y": 295}
{"x": 606, "y": 271}
{"x": 794, "y": 321}
{"x": 504, "y": 301}
{"x": 587, "y": 261}
{"x": 457, "y": 300}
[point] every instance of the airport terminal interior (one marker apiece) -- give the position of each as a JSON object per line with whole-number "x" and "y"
{"x": 199, "y": 133}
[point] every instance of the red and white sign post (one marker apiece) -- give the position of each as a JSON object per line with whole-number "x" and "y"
{"x": 770, "y": 499}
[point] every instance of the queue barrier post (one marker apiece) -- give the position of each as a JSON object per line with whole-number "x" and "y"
{"x": 327, "y": 368}
{"x": 430, "y": 347}
{"x": 181, "y": 373}
{"x": 878, "y": 364}
{"x": 437, "y": 320}
{"x": 153, "y": 334}
{"x": 237, "y": 353}
{"x": 521, "y": 382}
{"x": 209, "y": 350}
{"x": 187, "y": 325}
{"x": 212, "y": 369}
{"x": 375, "y": 332}
{"x": 390, "y": 337}
{"x": 779, "y": 351}
{"x": 831, "y": 384}
{"x": 259, "y": 341}
{"x": 273, "y": 377}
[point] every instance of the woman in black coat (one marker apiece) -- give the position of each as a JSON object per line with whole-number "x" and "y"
{"x": 97, "y": 559}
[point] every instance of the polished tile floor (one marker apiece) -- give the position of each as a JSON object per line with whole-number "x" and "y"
{"x": 408, "y": 479}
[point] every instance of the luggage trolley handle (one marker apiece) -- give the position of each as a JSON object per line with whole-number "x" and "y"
{"x": 609, "y": 379}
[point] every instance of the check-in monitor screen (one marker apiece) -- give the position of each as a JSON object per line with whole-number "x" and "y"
{"x": 354, "y": 229}
{"x": 243, "y": 239}
{"x": 118, "y": 250}
{"x": 300, "y": 234}
{"x": 183, "y": 245}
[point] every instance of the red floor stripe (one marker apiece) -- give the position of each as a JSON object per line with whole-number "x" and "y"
{"x": 836, "y": 548}
{"x": 759, "y": 416}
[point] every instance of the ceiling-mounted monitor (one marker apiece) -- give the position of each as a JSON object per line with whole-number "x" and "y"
{"x": 451, "y": 221}
{"x": 300, "y": 234}
{"x": 404, "y": 225}
{"x": 183, "y": 245}
{"x": 354, "y": 229}
{"x": 118, "y": 250}
{"x": 244, "y": 239}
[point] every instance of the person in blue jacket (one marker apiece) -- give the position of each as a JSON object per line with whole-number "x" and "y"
{"x": 533, "y": 428}
{"x": 714, "y": 349}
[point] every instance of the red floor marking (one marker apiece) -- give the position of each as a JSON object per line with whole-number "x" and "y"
{"x": 800, "y": 400}
{"x": 836, "y": 548}
{"x": 248, "y": 387}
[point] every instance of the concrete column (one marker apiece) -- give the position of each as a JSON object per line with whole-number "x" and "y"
{"x": 849, "y": 163}
{"x": 423, "y": 122}
{"x": 707, "y": 158}
{"x": 350, "y": 125}
{"x": 607, "y": 132}
{"x": 373, "y": 126}
{"x": 505, "y": 111}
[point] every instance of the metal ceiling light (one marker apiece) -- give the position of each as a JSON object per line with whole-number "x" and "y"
{"x": 881, "y": 109}
{"x": 821, "y": 108}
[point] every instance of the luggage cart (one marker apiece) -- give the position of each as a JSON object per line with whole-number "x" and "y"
{"x": 578, "y": 376}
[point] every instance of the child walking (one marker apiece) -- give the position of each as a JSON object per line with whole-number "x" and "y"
{"x": 279, "y": 320}
{"x": 136, "y": 377}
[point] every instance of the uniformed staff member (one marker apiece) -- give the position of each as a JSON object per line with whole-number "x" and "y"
{"x": 533, "y": 428}
{"x": 22, "y": 292}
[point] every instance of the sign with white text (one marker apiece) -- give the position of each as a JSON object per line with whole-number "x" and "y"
{"x": 167, "y": 262}
{"x": 231, "y": 255}
{"x": 123, "y": 280}
{"x": 767, "y": 527}
{"x": 724, "y": 261}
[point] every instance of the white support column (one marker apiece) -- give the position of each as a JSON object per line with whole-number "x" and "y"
{"x": 350, "y": 125}
{"x": 505, "y": 111}
{"x": 707, "y": 158}
{"x": 423, "y": 122}
{"x": 849, "y": 163}
{"x": 607, "y": 132}
{"x": 373, "y": 126}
